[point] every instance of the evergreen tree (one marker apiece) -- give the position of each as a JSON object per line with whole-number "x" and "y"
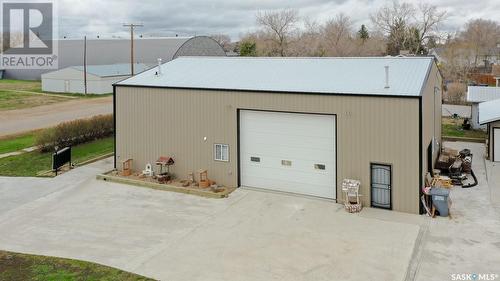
{"x": 363, "y": 33}
{"x": 248, "y": 49}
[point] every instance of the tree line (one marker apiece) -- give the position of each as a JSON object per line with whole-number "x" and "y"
{"x": 396, "y": 28}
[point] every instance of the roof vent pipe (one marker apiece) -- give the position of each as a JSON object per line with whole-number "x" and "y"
{"x": 387, "y": 77}
{"x": 159, "y": 67}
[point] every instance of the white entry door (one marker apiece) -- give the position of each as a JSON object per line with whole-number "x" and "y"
{"x": 288, "y": 152}
{"x": 496, "y": 144}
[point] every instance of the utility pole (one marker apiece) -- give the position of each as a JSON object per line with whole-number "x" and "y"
{"x": 85, "y": 64}
{"x": 132, "y": 27}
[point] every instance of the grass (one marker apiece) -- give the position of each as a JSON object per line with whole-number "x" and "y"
{"x": 453, "y": 128}
{"x": 17, "y": 142}
{"x": 19, "y": 94}
{"x": 31, "y": 163}
{"x": 24, "y": 85}
{"x": 75, "y": 95}
{"x": 11, "y": 99}
{"x": 24, "y": 267}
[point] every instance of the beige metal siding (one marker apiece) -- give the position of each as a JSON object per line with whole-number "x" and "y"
{"x": 491, "y": 126}
{"x": 431, "y": 114}
{"x": 155, "y": 121}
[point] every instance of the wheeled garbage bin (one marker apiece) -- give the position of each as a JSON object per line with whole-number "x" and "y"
{"x": 440, "y": 197}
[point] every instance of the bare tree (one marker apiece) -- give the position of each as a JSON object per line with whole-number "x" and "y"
{"x": 406, "y": 26}
{"x": 223, "y": 40}
{"x": 389, "y": 17}
{"x": 458, "y": 58}
{"x": 16, "y": 39}
{"x": 482, "y": 36}
{"x": 308, "y": 43}
{"x": 280, "y": 36}
{"x": 280, "y": 25}
{"x": 338, "y": 37}
{"x": 427, "y": 20}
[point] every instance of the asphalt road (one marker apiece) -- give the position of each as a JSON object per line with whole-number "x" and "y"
{"x": 461, "y": 110}
{"x": 21, "y": 120}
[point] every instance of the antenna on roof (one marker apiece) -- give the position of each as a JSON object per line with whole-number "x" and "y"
{"x": 387, "y": 77}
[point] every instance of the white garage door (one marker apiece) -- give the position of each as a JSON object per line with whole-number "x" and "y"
{"x": 496, "y": 145}
{"x": 288, "y": 152}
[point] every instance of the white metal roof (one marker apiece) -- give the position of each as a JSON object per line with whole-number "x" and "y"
{"x": 489, "y": 111}
{"x": 366, "y": 75}
{"x": 482, "y": 93}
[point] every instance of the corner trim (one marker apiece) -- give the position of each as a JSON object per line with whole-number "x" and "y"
{"x": 114, "y": 125}
{"x": 420, "y": 156}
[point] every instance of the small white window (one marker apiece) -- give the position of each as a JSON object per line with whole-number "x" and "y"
{"x": 221, "y": 152}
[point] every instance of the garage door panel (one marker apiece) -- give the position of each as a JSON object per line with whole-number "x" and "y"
{"x": 319, "y": 127}
{"x": 312, "y": 132}
{"x": 302, "y": 165}
{"x": 271, "y": 139}
{"x": 293, "y": 187}
{"x": 288, "y": 153}
{"x": 281, "y": 176}
{"x": 302, "y": 139}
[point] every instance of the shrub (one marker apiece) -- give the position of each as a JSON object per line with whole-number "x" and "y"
{"x": 75, "y": 132}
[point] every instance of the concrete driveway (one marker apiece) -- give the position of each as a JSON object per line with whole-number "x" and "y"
{"x": 470, "y": 241}
{"x": 251, "y": 235}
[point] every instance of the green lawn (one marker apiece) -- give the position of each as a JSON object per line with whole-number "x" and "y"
{"x": 11, "y": 99}
{"x": 19, "y": 94}
{"x": 16, "y": 142}
{"x": 24, "y": 267}
{"x": 453, "y": 128}
{"x": 31, "y": 163}
{"x": 25, "y": 85}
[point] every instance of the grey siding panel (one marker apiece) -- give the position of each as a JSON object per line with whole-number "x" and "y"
{"x": 154, "y": 121}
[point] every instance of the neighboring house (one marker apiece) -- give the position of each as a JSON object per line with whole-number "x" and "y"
{"x": 117, "y": 51}
{"x": 100, "y": 78}
{"x": 476, "y": 95}
{"x": 489, "y": 114}
{"x": 298, "y": 125}
{"x": 495, "y": 72}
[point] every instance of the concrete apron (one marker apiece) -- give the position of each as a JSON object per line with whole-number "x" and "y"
{"x": 470, "y": 241}
{"x": 249, "y": 236}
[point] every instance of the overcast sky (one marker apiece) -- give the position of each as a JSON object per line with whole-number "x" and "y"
{"x": 232, "y": 17}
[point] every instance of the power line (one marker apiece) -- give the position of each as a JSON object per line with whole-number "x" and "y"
{"x": 132, "y": 26}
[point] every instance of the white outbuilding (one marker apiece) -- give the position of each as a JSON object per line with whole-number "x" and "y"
{"x": 477, "y": 95}
{"x": 100, "y": 78}
{"x": 489, "y": 115}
